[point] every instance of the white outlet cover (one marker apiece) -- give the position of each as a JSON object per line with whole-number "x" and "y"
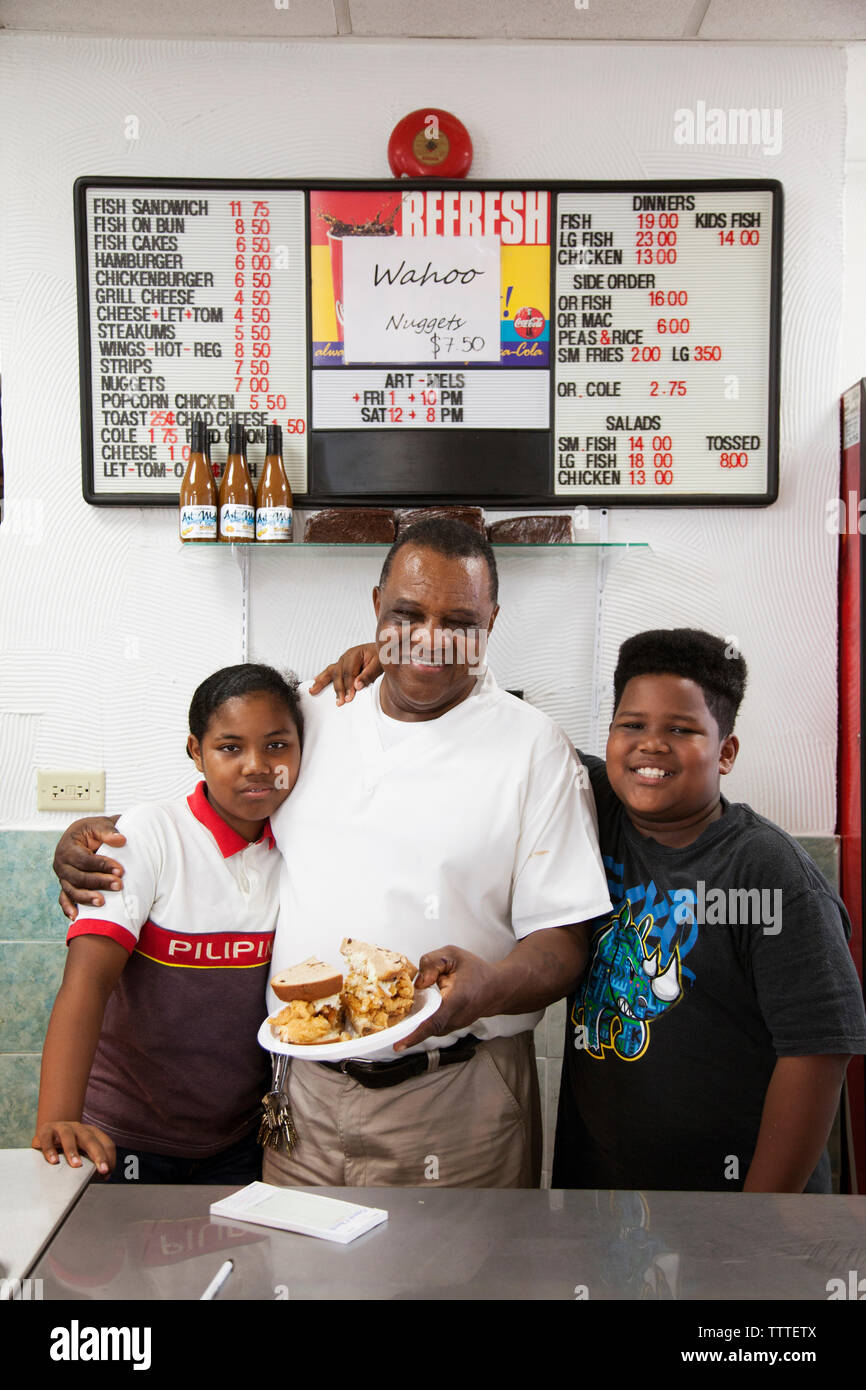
{"x": 70, "y": 791}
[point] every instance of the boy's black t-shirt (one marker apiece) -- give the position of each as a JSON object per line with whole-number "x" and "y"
{"x": 693, "y": 989}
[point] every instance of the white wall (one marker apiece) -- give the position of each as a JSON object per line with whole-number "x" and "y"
{"x": 854, "y": 307}
{"x": 107, "y": 625}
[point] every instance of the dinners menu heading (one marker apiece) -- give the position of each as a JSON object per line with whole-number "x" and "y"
{"x": 501, "y": 344}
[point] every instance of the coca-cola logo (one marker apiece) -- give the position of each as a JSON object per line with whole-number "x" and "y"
{"x": 529, "y": 323}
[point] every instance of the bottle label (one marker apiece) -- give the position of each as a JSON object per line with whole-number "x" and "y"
{"x": 198, "y": 523}
{"x": 238, "y": 520}
{"x": 274, "y": 524}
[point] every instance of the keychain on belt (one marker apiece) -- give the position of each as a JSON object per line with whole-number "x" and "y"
{"x": 277, "y": 1128}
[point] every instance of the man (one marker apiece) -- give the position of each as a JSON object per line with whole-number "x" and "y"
{"x": 433, "y": 805}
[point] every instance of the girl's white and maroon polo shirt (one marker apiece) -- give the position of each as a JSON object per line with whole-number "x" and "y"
{"x": 177, "y": 1069}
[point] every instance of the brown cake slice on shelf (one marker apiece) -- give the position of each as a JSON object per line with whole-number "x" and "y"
{"x": 348, "y": 525}
{"x": 532, "y": 530}
{"x": 470, "y": 516}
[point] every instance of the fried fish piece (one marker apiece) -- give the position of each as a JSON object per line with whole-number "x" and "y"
{"x": 372, "y": 1006}
{"x": 301, "y": 1024}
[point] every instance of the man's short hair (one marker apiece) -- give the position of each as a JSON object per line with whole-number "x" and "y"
{"x": 453, "y": 539}
{"x": 694, "y": 655}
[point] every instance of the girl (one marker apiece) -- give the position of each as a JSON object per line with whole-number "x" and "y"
{"x": 151, "y": 1050}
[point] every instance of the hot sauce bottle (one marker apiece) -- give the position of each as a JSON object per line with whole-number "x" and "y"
{"x": 274, "y": 501}
{"x": 237, "y": 519}
{"x": 198, "y": 497}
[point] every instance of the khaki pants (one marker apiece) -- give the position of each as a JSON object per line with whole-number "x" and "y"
{"x": 471, "y": 1124}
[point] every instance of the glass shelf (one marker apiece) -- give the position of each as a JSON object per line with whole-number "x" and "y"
{"x": 385, "y": 545}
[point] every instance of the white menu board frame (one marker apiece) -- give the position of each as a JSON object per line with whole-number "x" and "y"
{"x": 556, "y": 452}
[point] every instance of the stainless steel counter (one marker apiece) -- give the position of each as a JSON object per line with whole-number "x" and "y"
{"x": 446, "y": 1243}
{"x": 34, "y": 1198}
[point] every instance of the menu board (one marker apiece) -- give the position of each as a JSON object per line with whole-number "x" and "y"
{"x": 502, "y": 344}
{"x": 192, "y": 301}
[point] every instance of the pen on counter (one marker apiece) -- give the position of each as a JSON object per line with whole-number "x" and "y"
{"x": 218, "y": 1280}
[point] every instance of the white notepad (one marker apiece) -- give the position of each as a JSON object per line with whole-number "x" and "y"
{"x": 291, "y": 1209}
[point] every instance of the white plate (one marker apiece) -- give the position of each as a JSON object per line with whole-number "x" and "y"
{"x": 375, "y": 1047}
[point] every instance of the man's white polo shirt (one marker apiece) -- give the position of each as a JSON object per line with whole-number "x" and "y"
{"x": 473, "y": 829}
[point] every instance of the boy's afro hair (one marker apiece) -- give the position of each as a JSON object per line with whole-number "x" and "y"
{"x": 713, "y": 664}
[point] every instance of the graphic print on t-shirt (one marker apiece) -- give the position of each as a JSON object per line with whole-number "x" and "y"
{"x": 635, "y": 972}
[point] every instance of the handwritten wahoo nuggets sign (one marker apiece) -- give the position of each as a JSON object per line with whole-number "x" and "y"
{"x": 500, "y": 344}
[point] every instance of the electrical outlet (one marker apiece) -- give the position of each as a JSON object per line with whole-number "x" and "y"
{"x": 70, "y": 791}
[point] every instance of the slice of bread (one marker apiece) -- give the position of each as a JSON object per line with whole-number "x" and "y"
{"x": 375, "y": 962}
{"x": 312, "y": 979}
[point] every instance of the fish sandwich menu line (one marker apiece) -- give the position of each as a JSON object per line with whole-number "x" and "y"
{"x": 501, "y": 344}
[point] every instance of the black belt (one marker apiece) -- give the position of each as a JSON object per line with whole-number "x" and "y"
{"x": 374, "y": 1075}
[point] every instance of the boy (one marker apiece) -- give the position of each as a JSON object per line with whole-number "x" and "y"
{"x": 707, "y": 1043}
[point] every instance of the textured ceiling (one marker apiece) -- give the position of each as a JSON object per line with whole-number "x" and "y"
{"x": 775, "y": 21}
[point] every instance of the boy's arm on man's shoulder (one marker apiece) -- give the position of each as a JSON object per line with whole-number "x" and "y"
{"x": 357, "y": 667}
